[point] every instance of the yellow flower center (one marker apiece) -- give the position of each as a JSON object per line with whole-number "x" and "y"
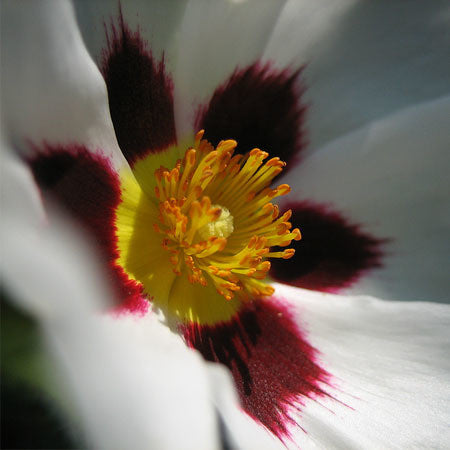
{"x": 209, "y": 221}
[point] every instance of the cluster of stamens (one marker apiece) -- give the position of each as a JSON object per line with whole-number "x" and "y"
{"x": 229, "y": 251}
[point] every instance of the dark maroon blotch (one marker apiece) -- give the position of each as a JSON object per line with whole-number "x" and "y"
{"x": 259, "y": 107}
{"x": 140, "y": 93}
{"x": 89, "y": 189}
{"x": 274, "y": 367}
{"x": 333, "y": 253}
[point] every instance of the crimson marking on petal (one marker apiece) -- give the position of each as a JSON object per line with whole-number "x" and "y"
{"x": 140, "y": 93}
{"x": 274, "y": 367}
{"x": 258, "y": 106}
{"x": 89, "y": 188}
{"x": 332, "y": 254}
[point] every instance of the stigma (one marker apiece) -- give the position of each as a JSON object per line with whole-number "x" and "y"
{"x": 221, "y": 227}
{"x": 216, "y": 220}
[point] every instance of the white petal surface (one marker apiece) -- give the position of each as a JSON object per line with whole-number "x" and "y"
{"x": 389, "y": 371}
{"x": 51, "y": 89}
{"x": 128, "y": 380}
{"x": 392, "y": 177}
{"x": 365, "y": 59}
{"x": 216, "y": 37}
{"x": 19, "y": 195}
{"x": 45, "y": 265}
{"x": 135, "y": 384}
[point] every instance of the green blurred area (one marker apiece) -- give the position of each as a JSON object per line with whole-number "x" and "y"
{"x": 29, "y": 417}
{"x": 22, "y": 358}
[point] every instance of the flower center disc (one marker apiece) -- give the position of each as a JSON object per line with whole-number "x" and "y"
{"x": 210, "y": 222}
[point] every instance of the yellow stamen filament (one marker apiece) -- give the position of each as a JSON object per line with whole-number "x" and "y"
{"x": 217, "y": 219}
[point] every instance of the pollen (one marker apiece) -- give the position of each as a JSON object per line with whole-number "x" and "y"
{"x": 216, "y": 220}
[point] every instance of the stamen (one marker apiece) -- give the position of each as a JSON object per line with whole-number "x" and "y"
{"x": 217, "y": 220}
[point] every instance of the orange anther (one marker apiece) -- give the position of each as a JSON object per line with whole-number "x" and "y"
{"x": 211, "y": 157}
{"x": 190, "y": 156}
{"x": 283, "y": 189}
{"x": 252, "y": 242}
{"x": 288, "y": 253}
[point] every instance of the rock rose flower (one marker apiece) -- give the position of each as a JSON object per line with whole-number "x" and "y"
{"x": 205, "y": 204}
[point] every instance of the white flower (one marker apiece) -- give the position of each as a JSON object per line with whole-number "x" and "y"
{"x": 328, "y": 370}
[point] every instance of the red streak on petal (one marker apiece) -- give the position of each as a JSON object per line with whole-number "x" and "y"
{"x": 332, "y": 254}
{"x": 140, "y": 93}
{"x": 274, "y": 367}
{"x": 87, "y": 186}
{"x": 258, "y": 106}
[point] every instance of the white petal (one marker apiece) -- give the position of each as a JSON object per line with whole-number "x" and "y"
{"x": 46, "y": 266}
{"x": 135, "y": 384}
{"x": 19, "y": 195}
{"x": 216, "y": 37}
{"x": 51, "y": 89}
{"x": 364, "y": 60}
{"x": 392, "y": 178}
{"x": 129, "y": 381}
{"x": 157, "y": 22}
{"x": 389, "y": 371}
